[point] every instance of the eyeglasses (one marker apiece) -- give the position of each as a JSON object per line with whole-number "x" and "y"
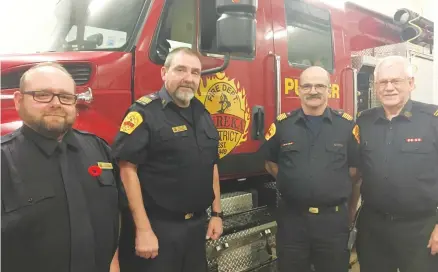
{"x": 318, "y": 87}
{"x": 47, "y": 97}
{"x": 395, "y": 82}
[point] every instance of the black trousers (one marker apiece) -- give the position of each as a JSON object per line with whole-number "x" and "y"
{"x": 385, "y": 244}
{"x": 181, "y": 246}
{"x": 320, "y": 239}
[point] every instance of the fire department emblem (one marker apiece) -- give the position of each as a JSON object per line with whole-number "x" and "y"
{"x": 226, "y": 100}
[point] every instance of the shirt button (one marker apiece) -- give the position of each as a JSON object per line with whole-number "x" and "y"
{"x": 30, "y": 200}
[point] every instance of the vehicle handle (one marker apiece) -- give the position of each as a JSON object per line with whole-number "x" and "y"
{"x": 277, "y": 69}
{"x": 355, "y": 94}
{"x": 86, "y": 96}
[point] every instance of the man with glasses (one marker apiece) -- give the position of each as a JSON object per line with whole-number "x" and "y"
{"x": 398, "y": 223}
{"x": 312, "y": 152}
{"x": 60, "y": 187}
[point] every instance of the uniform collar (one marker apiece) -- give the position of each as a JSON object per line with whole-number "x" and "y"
{"x": 326, "y": 115}
{"x": 165, "y": 96}
{"x": 405, "y": 113}
{"x": 49, "y": 145}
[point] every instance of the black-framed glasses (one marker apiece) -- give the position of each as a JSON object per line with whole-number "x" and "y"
{"x": 47, "y": 97}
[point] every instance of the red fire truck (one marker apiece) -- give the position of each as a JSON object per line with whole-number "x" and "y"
{"x": 253, "y": 52}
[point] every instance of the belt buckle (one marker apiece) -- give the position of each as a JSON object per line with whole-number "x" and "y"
{"x": 188, "y": 216}
{"x": 314, "y": 210}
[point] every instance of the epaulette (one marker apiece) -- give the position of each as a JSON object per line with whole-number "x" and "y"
{"x": 284, "y": 116}
{"x": 8, "y": 137}
{"x": 144, "y": 100}
{"x": 343, "y": 115}
{"x": 366, "y": 112}
{"x": 430, "y": 109}
{"x": 83, "y": 132}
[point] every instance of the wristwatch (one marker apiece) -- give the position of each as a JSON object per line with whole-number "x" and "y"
{"x": 217, "y": 214}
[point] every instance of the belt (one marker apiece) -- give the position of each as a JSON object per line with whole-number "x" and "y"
{"x": 404, "y": 217}
{"x": 317, "y": 209}
{"x": 159, "y": 213}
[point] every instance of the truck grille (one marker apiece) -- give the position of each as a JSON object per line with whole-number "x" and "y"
{"x": 81, "y": 73}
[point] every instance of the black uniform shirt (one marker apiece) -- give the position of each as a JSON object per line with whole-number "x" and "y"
{"x": 400, "y": 159}
{"x": 175, "y": 154}
{"x": 313, "y": 159}
{"x": 54, "y": 213}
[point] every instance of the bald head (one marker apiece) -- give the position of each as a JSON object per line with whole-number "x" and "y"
{"x": 46, "y": 71}
{"x": 315, "y": 72}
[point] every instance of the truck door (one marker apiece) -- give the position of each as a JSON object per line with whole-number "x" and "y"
{"x": 238, "y": 97}
{"x": 304, "y": 35}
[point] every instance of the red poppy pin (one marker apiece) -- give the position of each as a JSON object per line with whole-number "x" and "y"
{"x": 94, "y": 170}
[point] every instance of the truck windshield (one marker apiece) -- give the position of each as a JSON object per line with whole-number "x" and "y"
{"x": 84, "y": 25}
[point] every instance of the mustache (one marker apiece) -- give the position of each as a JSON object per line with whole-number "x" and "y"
{"x": 311, "y": 96}
{"x": 58, "y": 112}
{"x": 187, "y": 85}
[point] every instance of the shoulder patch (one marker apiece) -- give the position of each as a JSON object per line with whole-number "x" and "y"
{"x": 131, "y": 121}
{"x": 356, "y": 133}
{"x": 144, "y": 100}
{"x": 271, "y": 132}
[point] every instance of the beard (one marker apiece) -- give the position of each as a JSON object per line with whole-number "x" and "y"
{"x": 185, "y": 96}
{"x": 52, "y": 124}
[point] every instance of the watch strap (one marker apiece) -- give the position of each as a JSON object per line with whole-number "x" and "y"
{"x": 217, "y": 214}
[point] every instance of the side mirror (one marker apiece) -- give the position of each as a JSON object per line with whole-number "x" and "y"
{"x": 236, "y": 26}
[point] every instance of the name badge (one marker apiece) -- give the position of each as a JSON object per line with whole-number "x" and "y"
{"x": 105, "y": 165}
{"x": 179, "y": 129}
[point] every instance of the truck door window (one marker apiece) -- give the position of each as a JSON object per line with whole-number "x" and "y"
{"x": 178, "y": 28}
{"x": 309, "y": 35}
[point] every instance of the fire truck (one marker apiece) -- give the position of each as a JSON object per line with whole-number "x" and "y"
{"x": 252, "y": 55}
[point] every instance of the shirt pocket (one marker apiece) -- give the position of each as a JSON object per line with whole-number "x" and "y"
{"x": 289, "y": 154}
{"x": 106, "y": 178}
{"x": 419, "y": 159}
{"x": 210, "y": 146}
{"x": 337, "y": 154}
{"x": 23, "y": 206}
{"x": 171, "y": 146}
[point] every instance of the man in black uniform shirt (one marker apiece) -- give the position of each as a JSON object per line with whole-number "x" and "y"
{"x": 398, "y": 224}
{"x": 312, "y": 153}
{"x": 59, "y": 185}
{"x": 168, "y": 150}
